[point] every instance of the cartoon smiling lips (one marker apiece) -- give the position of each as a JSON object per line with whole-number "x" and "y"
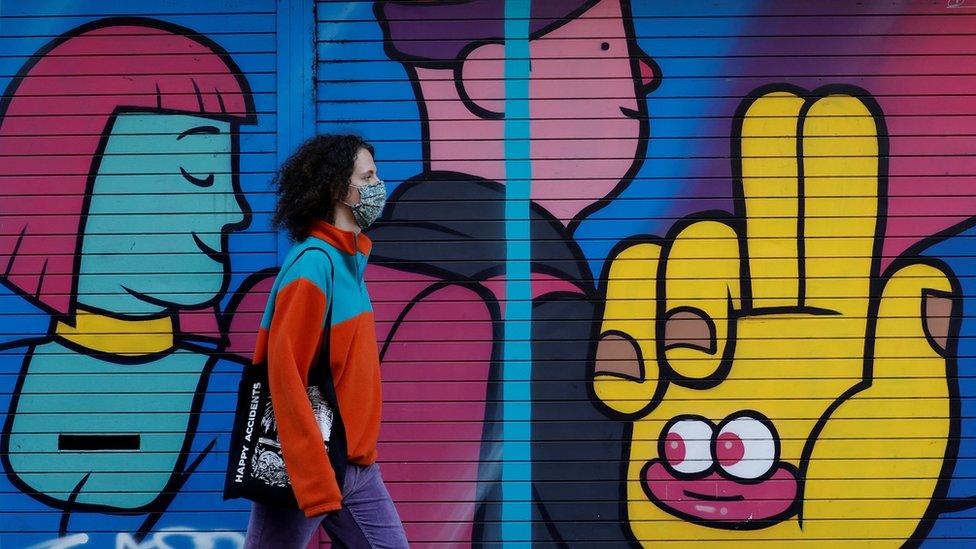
{"x": 724, "y": 477}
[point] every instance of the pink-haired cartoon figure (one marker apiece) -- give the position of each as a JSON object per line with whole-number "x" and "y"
{"x": 437, "y": 276}
{"x": 120, "y": 164}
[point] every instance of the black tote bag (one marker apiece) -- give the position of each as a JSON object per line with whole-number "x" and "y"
{"x": 256, "y": 466}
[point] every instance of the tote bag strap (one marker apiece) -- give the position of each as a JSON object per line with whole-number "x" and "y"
{"x": 321, "y": 366}
{"x": 321, "y": 376}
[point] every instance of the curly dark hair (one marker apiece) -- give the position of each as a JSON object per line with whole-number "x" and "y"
{"x": 313, "y": 179}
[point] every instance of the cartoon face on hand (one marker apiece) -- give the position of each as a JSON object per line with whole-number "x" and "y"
{"x": 729, "y": 473}
{"x": 755, "y": 361}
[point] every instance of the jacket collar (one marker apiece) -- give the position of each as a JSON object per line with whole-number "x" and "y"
{"x": 346, "y": 241}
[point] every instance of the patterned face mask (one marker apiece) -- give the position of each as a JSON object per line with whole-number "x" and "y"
{"x": 372, "y": 198}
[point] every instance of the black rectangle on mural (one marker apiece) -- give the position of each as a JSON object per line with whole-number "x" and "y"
{"x": 98, "y": 442}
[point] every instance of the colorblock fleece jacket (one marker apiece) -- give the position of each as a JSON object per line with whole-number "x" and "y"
{"x": 290, "y": 337}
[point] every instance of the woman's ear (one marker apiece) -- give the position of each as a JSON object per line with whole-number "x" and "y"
{"x": 480, "y": 81}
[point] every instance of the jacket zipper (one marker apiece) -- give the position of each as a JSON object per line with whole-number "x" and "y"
{"x": 360, "y": 271}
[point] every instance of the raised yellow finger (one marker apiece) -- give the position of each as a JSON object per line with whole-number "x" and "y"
{"x": 840, "y": 203}
{"x": 625, "y": 372}
{"x": 770, "y": 192}
{"x": 914, "y": 327}
{"x": 701, "y": 288}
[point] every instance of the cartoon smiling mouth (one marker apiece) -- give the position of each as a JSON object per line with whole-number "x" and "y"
{"x": 210, "y": 252}
{"x": 632, "y": 113}
{"x": 720, "y": 502}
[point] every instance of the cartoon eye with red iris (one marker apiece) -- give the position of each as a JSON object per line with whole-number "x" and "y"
{"x": 687, "y": 445}
{"x": 745, "y": 447}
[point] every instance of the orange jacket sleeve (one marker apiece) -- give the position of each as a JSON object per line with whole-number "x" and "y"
{"x": 294, "y": 339}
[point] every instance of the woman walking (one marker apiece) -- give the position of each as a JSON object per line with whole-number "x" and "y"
{"x": 328, "y": 191}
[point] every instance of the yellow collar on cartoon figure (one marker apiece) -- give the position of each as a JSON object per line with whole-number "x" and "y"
{"x": 105, "y": 334}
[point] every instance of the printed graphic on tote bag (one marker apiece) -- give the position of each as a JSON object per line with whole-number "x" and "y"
{"x": 323, "y": 413}
{"x": 268, "y": 462}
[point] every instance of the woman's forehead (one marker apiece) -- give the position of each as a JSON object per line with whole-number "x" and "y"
{"x": 364, "y": 161}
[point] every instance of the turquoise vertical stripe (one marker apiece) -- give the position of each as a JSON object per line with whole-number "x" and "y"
{"x": 517, "y": 351}
{"x": 295, "y": 83}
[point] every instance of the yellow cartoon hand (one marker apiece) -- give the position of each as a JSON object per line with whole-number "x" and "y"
{"x": 876, "y": 464}
{"x": 743, "y": 353}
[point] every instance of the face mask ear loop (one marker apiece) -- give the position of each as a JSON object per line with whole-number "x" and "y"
{"x": 352, "y": 205}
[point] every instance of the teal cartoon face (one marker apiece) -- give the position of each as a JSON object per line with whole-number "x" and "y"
{"x": 164, "y": 198}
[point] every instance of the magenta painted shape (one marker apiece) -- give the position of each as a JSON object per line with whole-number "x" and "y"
{"x": 720, "y": 500}
{"x": 435, "y": 372}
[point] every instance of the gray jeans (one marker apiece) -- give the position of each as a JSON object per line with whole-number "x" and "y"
{"x": 367, "y": 519}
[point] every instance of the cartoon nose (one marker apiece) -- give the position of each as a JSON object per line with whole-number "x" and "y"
{"x": 238, "y": 214}
{"x": 650, "y": 73}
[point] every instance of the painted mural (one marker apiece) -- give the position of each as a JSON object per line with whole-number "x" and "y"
{"x": 748, "y": 266}
{"x": 108, "y": 418}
